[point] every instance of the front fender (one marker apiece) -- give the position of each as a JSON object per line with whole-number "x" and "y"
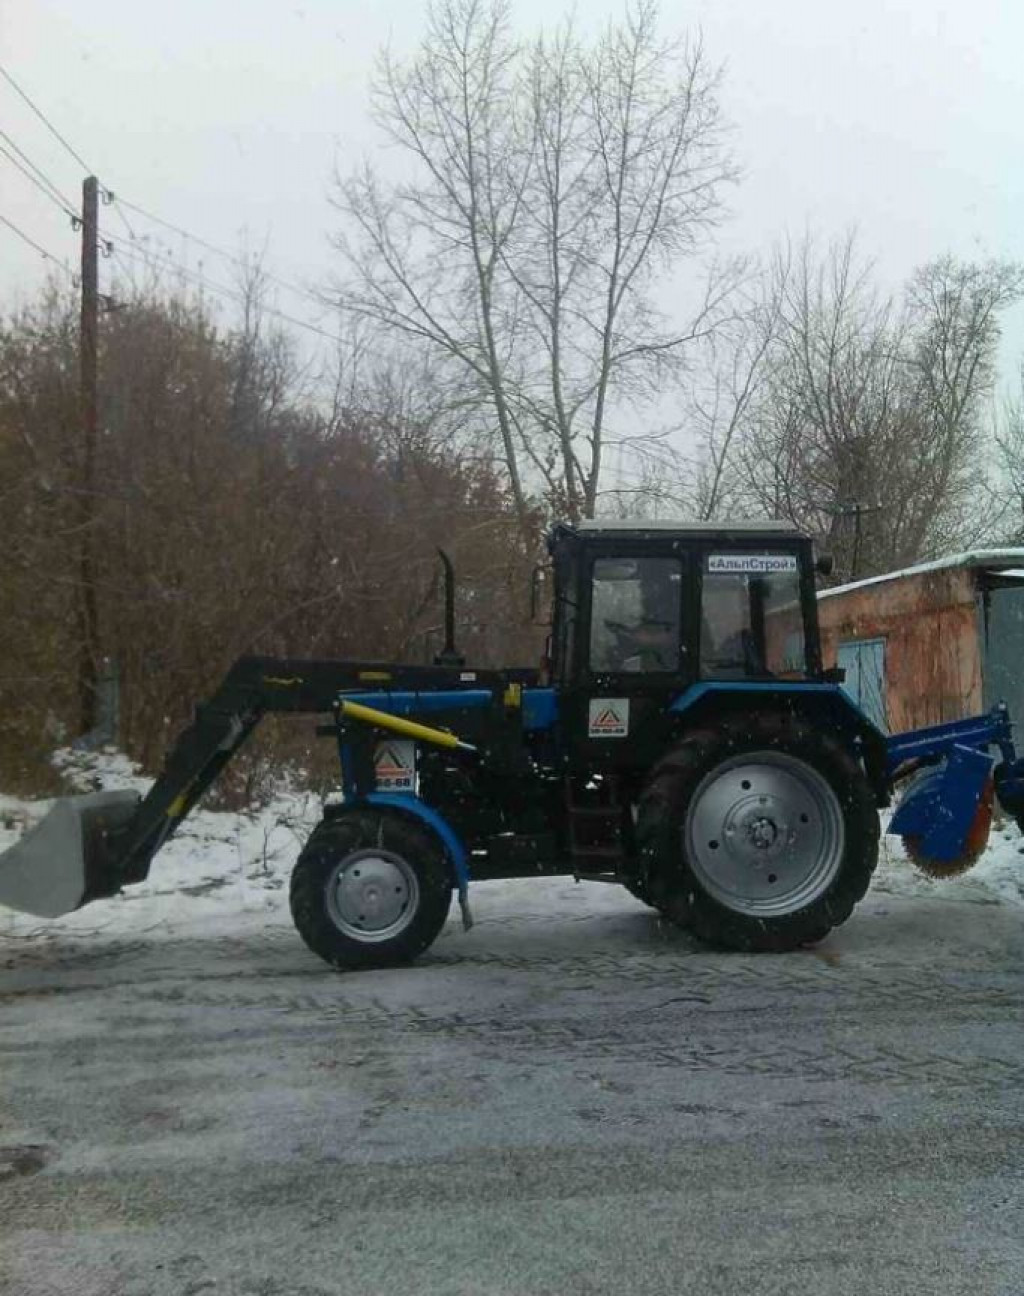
{"x": 412, "y": 805}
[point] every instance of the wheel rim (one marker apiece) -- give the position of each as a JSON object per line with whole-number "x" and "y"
{"x": 764, "y": 834}
{"x": 372, "y": 895}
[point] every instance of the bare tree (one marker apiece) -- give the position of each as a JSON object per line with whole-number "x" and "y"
{"x": 721, "y": 397}
{"x": 1007, "y": 496}
{"x": 554, "y": 182}
{"x": 237, "y": 513}
{"x": 867, "y": 426}
{"x": 954, "y": 309}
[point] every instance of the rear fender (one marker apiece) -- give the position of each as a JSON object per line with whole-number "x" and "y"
{"x": 826, "y": 705}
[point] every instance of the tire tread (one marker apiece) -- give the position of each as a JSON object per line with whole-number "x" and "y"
{"x": 353, "y": 830}
{"x": 662, "y": 814}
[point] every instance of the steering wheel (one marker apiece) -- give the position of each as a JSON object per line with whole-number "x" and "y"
{"x": 628, "y": 643}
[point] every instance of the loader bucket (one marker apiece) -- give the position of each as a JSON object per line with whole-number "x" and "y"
{"x": 65, "y": 859}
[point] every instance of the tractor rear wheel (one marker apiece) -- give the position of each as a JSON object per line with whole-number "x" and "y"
{"x": 372, "y": 888}
{"x": 761, "y": 834}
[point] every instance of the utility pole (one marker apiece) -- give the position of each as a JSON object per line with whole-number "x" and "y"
{"x": 87, "y": 612}
{"x": 856, "y": 510}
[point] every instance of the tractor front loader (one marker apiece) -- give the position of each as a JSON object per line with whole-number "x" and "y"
{"x": 682, "y": 739}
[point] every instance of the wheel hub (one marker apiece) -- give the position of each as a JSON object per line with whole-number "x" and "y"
{"x": 372, "y": 895}
{"x": 764, "y": 834}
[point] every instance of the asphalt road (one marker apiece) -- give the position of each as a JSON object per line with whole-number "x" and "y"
{"x": 561, "y": 1102}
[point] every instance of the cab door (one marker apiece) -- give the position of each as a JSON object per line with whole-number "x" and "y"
{"x": 634, "y": 650}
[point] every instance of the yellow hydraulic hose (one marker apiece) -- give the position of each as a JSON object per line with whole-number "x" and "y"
{"x": 409, "y": 728}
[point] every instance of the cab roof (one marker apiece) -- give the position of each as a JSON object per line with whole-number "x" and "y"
{"x": 753, "y": 527}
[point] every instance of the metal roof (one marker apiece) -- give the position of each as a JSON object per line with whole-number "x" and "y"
{"x": 753, "y": 526}
{"x": 994, "y": 559}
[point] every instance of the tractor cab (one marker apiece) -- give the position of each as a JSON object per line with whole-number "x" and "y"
{"x": 672, "y": 603}
{"x": 644, "y": 612}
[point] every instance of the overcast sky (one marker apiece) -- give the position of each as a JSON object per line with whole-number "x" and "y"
{"x": 902, "y": 116}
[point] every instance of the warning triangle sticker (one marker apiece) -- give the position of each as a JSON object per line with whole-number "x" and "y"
{"x": 608, "y": 718}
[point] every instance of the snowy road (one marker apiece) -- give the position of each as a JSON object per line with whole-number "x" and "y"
{"x": 569, "y": 1099}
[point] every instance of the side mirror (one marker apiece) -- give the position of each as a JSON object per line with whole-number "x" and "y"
{"x": 824, "y": 564}
{"x": 538, "y": 581}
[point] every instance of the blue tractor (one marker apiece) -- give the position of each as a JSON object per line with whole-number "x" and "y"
{"x": 682, "y": 738}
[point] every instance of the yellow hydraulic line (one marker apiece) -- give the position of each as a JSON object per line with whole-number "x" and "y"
{"x": 410, "y": 728}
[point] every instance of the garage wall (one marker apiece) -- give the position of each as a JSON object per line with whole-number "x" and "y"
{"x": 930, "y": 625}
{"x": 1004, "y": 659}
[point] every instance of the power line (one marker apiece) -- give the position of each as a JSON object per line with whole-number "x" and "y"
{"x": 43, "y": 187}
{"x": 108, "y": 195}
{"x": 213, "y": 247}
{"x": 120, "y": 204}
{"x": 147, "y": 256}
{"x": 43, "y": 178}
{"x": 175, "y": 229}
{"x": 48, "y": 256}
{"x": 44, "y": 119}
{"x": 111, "y": 198}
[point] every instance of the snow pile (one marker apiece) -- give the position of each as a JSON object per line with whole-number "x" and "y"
{"x": 998, "y": 877}
{"x": 220, "y": 872}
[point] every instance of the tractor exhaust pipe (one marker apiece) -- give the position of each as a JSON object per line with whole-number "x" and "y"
{"x": 449, "y": 654}
{"x": 68, "y": 858}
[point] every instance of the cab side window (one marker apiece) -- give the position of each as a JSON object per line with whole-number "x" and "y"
{"x": 635, "y": 615}
{"x": 751, "y": 622}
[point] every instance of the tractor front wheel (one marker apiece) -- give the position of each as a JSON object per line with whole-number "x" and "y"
{"x": 372, "y": 888}
{"x": 761, "y": 834}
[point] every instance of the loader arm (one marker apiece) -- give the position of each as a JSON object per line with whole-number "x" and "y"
{"x": 252, "y": 687}
{"x": 89, "y": 847}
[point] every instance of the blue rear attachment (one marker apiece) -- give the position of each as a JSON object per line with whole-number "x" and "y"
{"x": 940, "y": 806}
{"x": 979, "y": 733}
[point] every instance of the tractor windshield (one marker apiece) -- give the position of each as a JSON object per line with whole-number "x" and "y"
{"x": 751, "y": 617}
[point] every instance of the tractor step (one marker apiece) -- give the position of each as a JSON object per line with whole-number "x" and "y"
{"x": 585, "y": 853}
{"x": 594, "y": 831}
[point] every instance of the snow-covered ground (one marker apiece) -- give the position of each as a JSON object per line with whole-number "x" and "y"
{"x": 221, "y": 869}
{"x": 997, "y": 878}
{"x": 574, "y": 1097}
{"x": 229, "y": 871}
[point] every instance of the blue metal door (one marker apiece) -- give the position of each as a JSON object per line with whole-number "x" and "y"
{"x": 864, "y": 663}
